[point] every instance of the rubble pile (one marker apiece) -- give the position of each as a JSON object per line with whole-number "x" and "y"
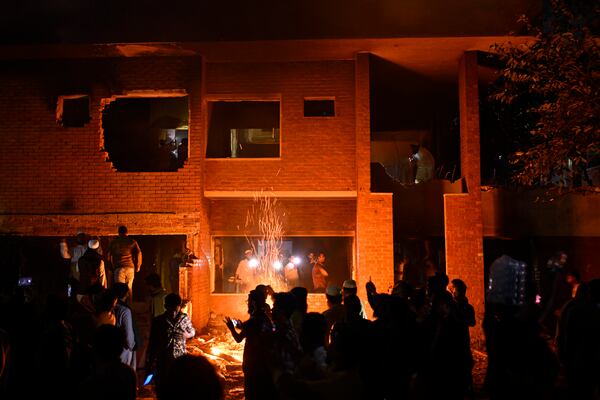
{"x": 217, "y": 345}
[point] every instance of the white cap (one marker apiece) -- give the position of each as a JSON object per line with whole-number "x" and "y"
{"x": 349, "y": 284}
{"x": 93, "y": 244}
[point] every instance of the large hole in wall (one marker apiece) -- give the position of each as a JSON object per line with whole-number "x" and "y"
{"x": 146, "y": 134}
{"x": 229, "y": 251}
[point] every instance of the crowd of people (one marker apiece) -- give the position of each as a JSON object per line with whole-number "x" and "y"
{"x": 85, "y": 345}
{"x": 418, "y": 345}
{"x": 291, "y": 271}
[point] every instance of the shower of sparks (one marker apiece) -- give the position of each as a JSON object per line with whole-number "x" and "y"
{"x": 265, "y": 218}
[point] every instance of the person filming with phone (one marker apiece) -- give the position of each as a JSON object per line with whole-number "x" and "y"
{"x": 258, "y": 332}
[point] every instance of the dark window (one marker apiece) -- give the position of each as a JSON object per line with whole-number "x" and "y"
{"x": 73, "y": 112}
{"x": 146, "y": 134}
{"x": 319, "y": 108}
{"x": 243, "y": 129}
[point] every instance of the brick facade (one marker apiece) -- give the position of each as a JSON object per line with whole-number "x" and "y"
{"x": 57, "y": 180}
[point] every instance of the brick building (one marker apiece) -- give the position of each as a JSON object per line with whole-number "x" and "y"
{"x": 63, "y": 171}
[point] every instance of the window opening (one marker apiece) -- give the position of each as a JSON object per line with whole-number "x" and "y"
{"x": 146, "y": 134}
{"x": 319, "y": 108}
{"x": 73, "y": 111}
{"x": 243, "y": 129}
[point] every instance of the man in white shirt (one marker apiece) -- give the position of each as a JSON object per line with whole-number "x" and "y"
{"x": 245, "y": 272}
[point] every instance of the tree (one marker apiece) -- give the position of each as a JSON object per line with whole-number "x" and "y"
{"x": 549, "y": 89}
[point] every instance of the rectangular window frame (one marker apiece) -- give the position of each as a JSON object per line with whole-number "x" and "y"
{"x": 212, "y": 98}
{"x": 318, "y": 98}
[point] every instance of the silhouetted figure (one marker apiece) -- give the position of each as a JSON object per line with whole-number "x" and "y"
{"x": 105, "y": 308}
{"x": 466, "y": 312}
{"x": 521, "y": 364}
{"x": 553, "y": 287}
{"x": 286, "y": 343}
{"x": 578, "y": 343}
{"x": 300, "y": 308}
{"x": 393, "y": 348}
{"x": 125, "y": 256}
{"x": 351, "y": 340}
{"x": 168, "y": 335}
{"x": 182, "y": 153}
{"x": 313, "y": 364}
{"x": 111, "y": 379}
{"x": 335, "y": 309}
{"x": 573, "y": 279}
{"x": 257, "y": 331}
{"x": 349, "y": 289}
{"x": 91, "y": 267}
{"x": 124, "y": 320}
{"x": 449, "y": 361}
{"x": 157, "y": 295}
{"x": 190, "y": 377}
{"x": 55, "y": 347}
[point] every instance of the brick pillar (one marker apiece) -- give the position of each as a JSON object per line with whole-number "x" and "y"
{"x": 197, "y": 282}
{"x": 374, "y": 216}
{"x": 462, "y": 212}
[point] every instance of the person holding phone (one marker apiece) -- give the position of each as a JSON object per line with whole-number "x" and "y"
{"x": 258, "y": 333}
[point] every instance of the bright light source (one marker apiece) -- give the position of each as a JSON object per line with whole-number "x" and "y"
{"x": 253, "y": 263}
{"x": 296, "y": 260}
{"x": 215, "y": 351}
{"x": 277, "y": 265}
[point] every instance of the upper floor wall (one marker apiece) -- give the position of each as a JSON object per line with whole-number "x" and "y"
{"x": 316, "y": 153}
{"x": 49, "y": 168}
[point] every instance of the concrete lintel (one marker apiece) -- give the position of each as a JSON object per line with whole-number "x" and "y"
{"x": 290, "y": 194}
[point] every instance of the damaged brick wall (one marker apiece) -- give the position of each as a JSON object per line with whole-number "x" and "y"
{"x": 52, "y": 169}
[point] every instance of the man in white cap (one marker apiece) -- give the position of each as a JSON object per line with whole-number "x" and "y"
{"x": 348, "y": 288}
{"x": 91, "y": 267}
{"x": 245, "y": 272}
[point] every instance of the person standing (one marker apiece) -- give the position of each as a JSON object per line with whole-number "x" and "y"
{"x": 124, "y": 320}
{"x": 168, "y": 334}
{"x": 125, "y": 256}
{"x": 292, "y": 277}
{"x": 320, "y": 274}
{"x": 245, "y": 273}
{"x": 157, "y": 295}
{"x": 258, "y": 333}
{"x": 335, "y": 309}
{"x": 74, "y": 254}
{"x": 91, "y": 268}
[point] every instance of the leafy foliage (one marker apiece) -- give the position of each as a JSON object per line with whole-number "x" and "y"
{"x": 550, "y": 90}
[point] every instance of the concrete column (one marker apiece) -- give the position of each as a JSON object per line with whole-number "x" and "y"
{"x": 462, "y": 212}
{"x": 374, "y": 216}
